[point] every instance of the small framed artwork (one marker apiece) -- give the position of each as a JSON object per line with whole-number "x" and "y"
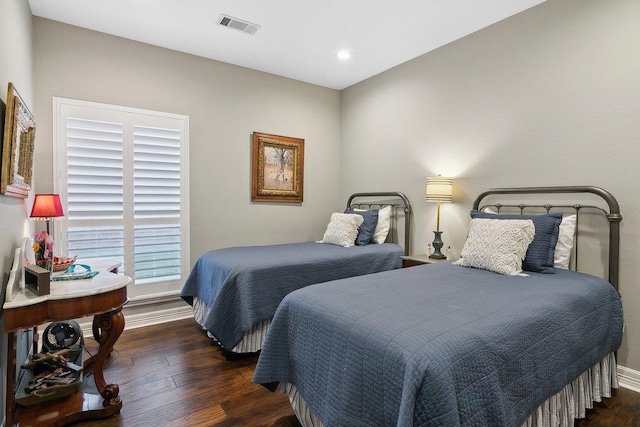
{"x": 17, "y": 147}
{"x": 278, "y": 168}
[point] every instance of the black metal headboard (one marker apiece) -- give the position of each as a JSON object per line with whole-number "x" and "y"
{"x": 613, "y": 215}
{"x": 400, "y": 209}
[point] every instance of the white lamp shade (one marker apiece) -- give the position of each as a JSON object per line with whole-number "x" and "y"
{"x": 439, "y": 189}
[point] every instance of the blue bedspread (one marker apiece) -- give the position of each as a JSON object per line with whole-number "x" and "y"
{"x": 244, "y": 285}
{"x": 439, "y": 345}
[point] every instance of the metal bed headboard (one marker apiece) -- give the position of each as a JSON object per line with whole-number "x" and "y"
{"x": 397, "y": 201}
{"x": 612, "y": 215}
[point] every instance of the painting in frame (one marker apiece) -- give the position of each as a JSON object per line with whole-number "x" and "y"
{"x": 17, "y": 147}
{"x": 278, "y": 168}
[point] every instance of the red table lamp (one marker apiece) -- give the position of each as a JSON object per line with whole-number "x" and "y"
{"x": 47, "y": 207}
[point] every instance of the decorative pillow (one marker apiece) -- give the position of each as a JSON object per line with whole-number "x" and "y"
{"x": 497, "y": 245}
{"x": 368, "y": 227}
{"x": 342, "y": 229}
{"x": 383, "y": 225}
{"x": 540, "y": 254}
{"x": 562, "y": 254}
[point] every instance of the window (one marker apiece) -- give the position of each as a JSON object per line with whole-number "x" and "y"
{"x": 122, "y": 176}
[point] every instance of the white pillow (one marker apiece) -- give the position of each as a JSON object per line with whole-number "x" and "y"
{"x": 562, "y": 254}
{"x": 383, "y": 225}
{"x": 497, "y": 245}
{"x": 342, "y": 229}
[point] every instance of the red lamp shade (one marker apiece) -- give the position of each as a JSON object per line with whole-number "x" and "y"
{"x": 46, "y": 207}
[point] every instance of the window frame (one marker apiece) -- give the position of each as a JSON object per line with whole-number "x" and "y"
{"x": 63, "y": 108}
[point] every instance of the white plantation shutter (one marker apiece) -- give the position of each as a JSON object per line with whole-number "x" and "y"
{"x": 156, "y": 197}
{"x": 95, "y": 206}
{"x": 122, "y": 178}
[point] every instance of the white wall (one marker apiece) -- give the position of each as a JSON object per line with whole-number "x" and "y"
{"x": 547, "y": 97}
{"x": 15, "y": 67}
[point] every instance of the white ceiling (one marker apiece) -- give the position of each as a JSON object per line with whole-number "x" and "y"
{"x": 298, "y": 39}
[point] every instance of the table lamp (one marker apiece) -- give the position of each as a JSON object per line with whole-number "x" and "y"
{"x": 438, "y": 189}
{"x": 47, "y": 207}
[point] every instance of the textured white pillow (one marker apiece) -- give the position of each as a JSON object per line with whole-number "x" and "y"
{"x": 383, "y": 225}
{"x": 342, "y": 229}
{"x": 562, "y": 254}
{"x": 497, "y": 245}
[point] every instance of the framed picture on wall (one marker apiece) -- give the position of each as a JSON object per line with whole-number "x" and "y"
{"x": 17, "y": 147}
{"x": 278, "y": 168}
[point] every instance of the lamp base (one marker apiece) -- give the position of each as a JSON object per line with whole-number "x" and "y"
{"x": 437, "y": 246}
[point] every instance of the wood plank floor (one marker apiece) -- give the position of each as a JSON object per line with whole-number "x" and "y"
{"x": 171, "y": 375}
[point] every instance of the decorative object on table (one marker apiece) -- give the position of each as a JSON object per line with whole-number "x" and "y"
{"x": 278, "y": 168}
{"x": 37, "y": 279}
{"x": 43, "y": 250}
{"x": 28, "y": 256}
{"x": 438, "y": 189}
{"x": 71, "y": 274}
{"x": 16, "y": 276}
{"x": 45, "y": 208}
{"x": 61, "y": 264}
{"x": 17, "y": 147}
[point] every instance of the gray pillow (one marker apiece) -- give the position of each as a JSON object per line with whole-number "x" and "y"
{"x": 539, "y": 257}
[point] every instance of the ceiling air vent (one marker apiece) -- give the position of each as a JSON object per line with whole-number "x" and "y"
{"x": 238, "y": 24}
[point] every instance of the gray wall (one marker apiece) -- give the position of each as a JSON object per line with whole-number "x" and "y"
{"x": 225, "y": 104}
{"x": 547, "y": 97}
{"x": 15, "y": 67}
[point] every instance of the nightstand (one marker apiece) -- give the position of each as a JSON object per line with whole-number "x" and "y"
{"x": 413, "y": 260}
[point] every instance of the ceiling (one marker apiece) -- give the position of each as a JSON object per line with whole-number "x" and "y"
{"x": 298, "y": 39}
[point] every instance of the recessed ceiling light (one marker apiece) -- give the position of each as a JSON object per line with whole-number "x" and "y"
{"x": 343, "y": 54}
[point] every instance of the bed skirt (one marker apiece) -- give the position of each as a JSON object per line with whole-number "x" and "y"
{"x": 559, "y": 410}
{"x": 251, "y": 340}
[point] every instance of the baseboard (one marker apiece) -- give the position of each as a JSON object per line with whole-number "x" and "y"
{"x": 160, "y": 316}
{"x": 629, "y": 378}
{"x": 140, "y": 320}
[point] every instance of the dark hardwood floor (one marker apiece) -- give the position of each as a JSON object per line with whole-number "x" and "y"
{"x": 171, "y": 375}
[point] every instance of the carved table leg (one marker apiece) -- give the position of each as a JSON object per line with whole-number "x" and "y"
{"x": 107, "y": 328}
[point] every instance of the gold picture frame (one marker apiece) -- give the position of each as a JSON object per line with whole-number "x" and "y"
{"x": 278, "y": 168}
{"x": 17, "y": 147}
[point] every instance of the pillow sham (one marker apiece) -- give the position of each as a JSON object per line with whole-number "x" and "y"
{"x": 342, "y": 229}
{"x": 497, "y": 245}
{"x": 562, "y": 254}
{"x": 368, "y": 227}
{"x": 383, "y": 225}
{"x": 540, "y": 254}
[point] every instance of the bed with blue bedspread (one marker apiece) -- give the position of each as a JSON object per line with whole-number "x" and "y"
{"x": 244, "y": 285}
{"x": 235, "y": 291}
{"x": 439, "y": 344}
{"x": 451, "y": 345}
